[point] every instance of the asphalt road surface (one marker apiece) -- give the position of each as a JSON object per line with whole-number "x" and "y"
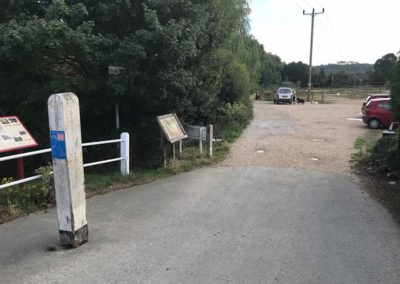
{"x": 226, "y": 224}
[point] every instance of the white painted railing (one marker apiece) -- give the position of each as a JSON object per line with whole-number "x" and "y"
{"x": 123, "y": 159}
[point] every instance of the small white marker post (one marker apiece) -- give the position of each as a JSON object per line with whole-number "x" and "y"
{"x": 66, "y": 149}
{"x": 201, "y": 140}
{"x": 180, "y": 148}
{"x": 211, "y": 139}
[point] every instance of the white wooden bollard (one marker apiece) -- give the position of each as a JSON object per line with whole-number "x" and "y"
{"x": 211, "y": 129}
{"x": 66, "y": 150}
{"x": 124, "y": 150}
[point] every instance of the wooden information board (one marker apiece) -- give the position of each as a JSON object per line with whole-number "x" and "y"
{"x": 171, "y": 127}
{"x": 13, "y": 135}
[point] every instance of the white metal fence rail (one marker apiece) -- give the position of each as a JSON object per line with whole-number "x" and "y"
{"x": 124, "y": 158}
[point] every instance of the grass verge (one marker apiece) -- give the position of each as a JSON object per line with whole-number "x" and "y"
{"x": 16, "y": 202}
{"x": 377, "y": 164}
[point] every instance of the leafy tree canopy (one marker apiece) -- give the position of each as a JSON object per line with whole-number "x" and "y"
{"x": 383, "y": 68}
{"x": 190, "y": 57}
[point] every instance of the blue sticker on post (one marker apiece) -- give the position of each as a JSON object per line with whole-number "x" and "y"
{"x": 57, "y": 141}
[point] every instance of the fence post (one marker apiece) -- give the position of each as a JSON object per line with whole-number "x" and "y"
{"x": 211, "y": 139}
{"x": 66, "y": 151}
{"x": 124, "y": 154}
{"x": 201, "y": 140}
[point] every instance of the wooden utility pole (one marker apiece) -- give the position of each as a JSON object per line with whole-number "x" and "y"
{"x": 312, "y": 14}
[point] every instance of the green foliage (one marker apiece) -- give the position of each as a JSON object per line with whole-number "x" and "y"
{"x": 46, "y": 185}
{"x": 353, "y": 71}
{"x": 361, "y": 146}
{"x": 395, "y": 90}
{"x": 296, "y": 72}
{"x": 380, "y": 158}
{"x": 383, "y": 68}
{"x": 271, "y": 70}
{"x": 395, "y": 97}
{"x": 15, "y": 200}
{"x": 188, "y": 57}
{"x": 233, "y": 118}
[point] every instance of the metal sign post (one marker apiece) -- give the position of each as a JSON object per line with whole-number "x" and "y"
{"x": 66, "y": 149}
{"x": 116, "y": 71}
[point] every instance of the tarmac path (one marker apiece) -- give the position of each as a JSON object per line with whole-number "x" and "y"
{"x": 225, "y": 224}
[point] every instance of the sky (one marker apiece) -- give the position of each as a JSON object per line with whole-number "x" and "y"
{"x": 349, "y": 30}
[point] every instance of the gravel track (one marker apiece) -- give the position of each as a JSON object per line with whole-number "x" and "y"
{"x": 311, "y": 136}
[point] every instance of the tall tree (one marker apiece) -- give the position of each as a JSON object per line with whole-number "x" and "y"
{"x": 395, "y": 95}
{"x": 383, "y": 68}
{"x": 271, "y": 69}
{"x": 295, "y": 72}
{"x": 194, "y": 57}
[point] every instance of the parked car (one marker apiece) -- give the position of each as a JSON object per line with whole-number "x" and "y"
{"x": 371, "y": 97}
{"x": 377, "y": 113}
{"x": 284, "y": 94}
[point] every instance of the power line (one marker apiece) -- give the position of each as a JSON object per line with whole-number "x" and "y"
{"x": 330, "y": 24}
{"x": 312, "y": 14}
{"x": 319, "y": 4}
{"x": 297, "y": 4}
{"x": 307, "y": 3}
{"x": 322, "y": 29}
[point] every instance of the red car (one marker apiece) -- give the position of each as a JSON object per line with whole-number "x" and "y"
{"x": 377, "y": 113}
{"x": 371, "y": 97}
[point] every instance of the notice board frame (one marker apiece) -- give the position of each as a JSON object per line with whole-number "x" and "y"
{"x": 22, "y": 126}
{"x": 164, "y": 120}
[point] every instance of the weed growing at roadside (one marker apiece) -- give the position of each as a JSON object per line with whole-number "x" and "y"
{"x": 377, "y": 157}
{"x": 360, "y": 145}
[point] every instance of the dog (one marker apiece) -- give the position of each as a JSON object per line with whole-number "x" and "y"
{"x": 300, "y": 101}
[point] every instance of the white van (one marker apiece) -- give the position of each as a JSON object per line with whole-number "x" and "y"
{"x": 285, "y": 95}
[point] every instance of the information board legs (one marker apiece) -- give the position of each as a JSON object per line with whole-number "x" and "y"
{"x": 164, "y": 150}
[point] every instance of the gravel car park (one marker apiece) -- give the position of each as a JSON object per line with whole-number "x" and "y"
{"x": 310, "y": 136}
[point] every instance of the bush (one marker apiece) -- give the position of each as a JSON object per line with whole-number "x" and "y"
{"x": 47, "y": 184}
{"x": 380, "y": 158}
{"x": 383, "y": 155}
{"x": 15, "y": 200}
{"x": 232, "y": 119}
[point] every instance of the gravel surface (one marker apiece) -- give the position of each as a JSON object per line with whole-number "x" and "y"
{"x": 311, "y": 136}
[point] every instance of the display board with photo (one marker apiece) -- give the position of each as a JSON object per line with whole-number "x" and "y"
{"x": 14, "y": 135}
